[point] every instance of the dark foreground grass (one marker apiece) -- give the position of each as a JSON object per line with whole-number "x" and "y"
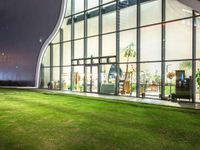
{"x": 40, "y": 121}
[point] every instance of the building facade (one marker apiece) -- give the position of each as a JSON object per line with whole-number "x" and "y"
{"x": 139, "y": 48}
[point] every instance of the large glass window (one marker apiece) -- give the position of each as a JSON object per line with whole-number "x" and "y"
{"x": 150, "y": 80}
{"x": 56, "y": 55}
{"x": 92, "y": 47}
{"x": 177, "y": 10}
{"x": 128, "y": 46}
{"x": 67, "y": 54}
{"x": 151, "y": 43}
{"x": 109, "y": 45}
{"x": 128, "y": 16}
{"x": 151, "y": 12}
{"x": 78, "y": 49}
{"x": 179, "y": 40}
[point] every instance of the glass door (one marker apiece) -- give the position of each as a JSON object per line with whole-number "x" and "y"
{"x": 92, "y": 79}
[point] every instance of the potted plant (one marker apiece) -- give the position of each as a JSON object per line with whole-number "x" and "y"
{"x": 198, "y": 80}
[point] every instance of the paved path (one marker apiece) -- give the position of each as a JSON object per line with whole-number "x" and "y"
{"x": 132, "y": 99}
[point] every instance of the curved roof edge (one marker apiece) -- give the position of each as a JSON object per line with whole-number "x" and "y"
{"x": 194, "y": 4}
{"x": 48, "y": 41}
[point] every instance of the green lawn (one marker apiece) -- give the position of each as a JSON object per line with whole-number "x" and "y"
{"x": 40, "y": 121}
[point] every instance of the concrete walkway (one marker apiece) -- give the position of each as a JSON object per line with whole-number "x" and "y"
{"x": 131, "y": 99}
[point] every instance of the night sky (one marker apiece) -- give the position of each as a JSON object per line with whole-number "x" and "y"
{"x": 24, "y": 26}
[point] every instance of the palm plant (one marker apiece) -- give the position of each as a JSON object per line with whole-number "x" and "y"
{"x": 129, "y": 52}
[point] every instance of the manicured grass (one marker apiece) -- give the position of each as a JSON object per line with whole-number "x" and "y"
{"x": 40, "y": 121}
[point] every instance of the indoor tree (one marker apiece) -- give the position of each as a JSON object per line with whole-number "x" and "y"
{"x": 129, "y": 52}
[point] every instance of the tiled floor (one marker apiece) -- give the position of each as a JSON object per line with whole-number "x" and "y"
{"x": 132, "y": 99}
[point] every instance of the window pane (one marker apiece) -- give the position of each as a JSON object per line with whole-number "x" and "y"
{"x": 78, "y": 79}
{"x": 56, "y": 55}
{"x": 151, "y": 43}
{"x": 128, "y": 16}
{"x": 93, "y": 47}
{"x": 56, "y": 77}
{"x": 150, "y": 79}
{"x": 177, "y": 10}
{"x": 151, "y": 12}
{"x": 128, "y": 46}
{"x": 79, "y": 5}
{"x": 92, "y": 3}
{"x": 198, "y": 38}
{"x": 171, "y": 79}
{"x": 79, "y": 29}
{"x": 56, "y": 38}
{"x": 66, "y": 78}
{"x": 109, "y": 20}
{"x": 179, "y": 40}
{"x": 109, "y": 45}
{"x": 66, "y": 26}
{"x": 127, "y": 79}
{"x": 46, "y": 58}
{"x": 93, "y": 23}
{"x": 107, "y": 1}
{"x": 108, "y": 79}
{"x": 45, "y": 77}
{"x": 67, "y": 54}
{"x": 78, "y": 49}
{"x": 69, "y": 8}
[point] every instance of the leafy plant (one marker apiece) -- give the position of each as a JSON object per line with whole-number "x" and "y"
{"x": 198, "y": 79}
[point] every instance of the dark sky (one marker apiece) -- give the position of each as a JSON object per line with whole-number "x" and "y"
{"x": 23, "y": 23}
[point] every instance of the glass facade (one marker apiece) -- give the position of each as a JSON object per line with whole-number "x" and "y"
{"x": 139, "y": 48}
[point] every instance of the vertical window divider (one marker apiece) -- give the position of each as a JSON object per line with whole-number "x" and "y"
{"x": 163, "y": 72}
{"x": 51, "y": 62}
{"x": 100, "y": 45}
{"x": 85, "y": 42}
{"x": 193, "y": 92}
{"x": 138, "y": 50}
{"x": 72, "y": 44}
{"x": 117, "y": 45}
{"x": 61, "y": 58}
